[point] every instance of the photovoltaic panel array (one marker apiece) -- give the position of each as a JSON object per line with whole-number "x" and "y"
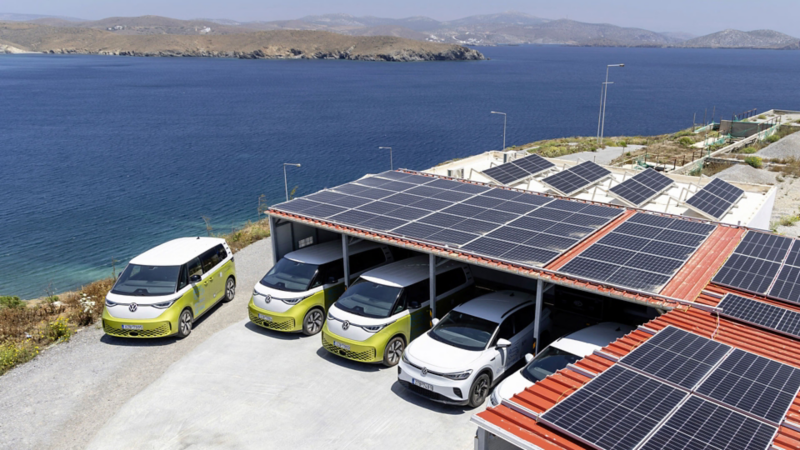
{"x": 700, "y": 424}
{"x": 576, "y": 178}
{"x": 677, "y": 356}
{"x": 761, "y": 314}
{"x": 642, "y": 187}
{"x": 787, "y": 283}
{"x": 643, "y": 253}
{"x": 755, "y": 263}
{"x": 516, "y": 170}
{"x": 756, "y": 385}
{"x": 616, "y": 410}
{"x": 715, "y": 199}
{"x": 513, "y": 226}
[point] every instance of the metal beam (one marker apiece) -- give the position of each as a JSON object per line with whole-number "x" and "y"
{"x": 432, "y": 276}
{"x": 346, "y": 259}
{"x": 539, "y": 295}
{"x": 274, "y": 239}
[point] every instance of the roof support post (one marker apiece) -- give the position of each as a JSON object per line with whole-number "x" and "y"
{"x": 346, "y": 260}
{"x": 274, "y": 239}
{"x": 432, "y": 277}
{"x": 539, "y": 296}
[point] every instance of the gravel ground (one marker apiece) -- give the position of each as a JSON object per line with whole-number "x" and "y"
{"x": 604, "y": 156}
{"x": 63, "y": 397}
{"x": 788, "y": 147}
{"x": 743, "y": 173}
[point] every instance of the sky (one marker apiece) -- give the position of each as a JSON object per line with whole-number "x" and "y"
{"x": 692, "y": 16}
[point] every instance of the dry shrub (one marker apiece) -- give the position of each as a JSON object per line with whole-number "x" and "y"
{"x": 249, "y": 233}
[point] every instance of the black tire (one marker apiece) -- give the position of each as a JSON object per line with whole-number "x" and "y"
{"x": 312, "y": 322}
{"x": 230, "y": 289}
{"x": 394, "y": 351}
{"x": 185, "y": 324}
{"x": 479, "y": 390}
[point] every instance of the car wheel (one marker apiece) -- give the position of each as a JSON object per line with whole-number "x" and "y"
{"x": 230, "y": 290}
{"x": 312, "y": 322}
{"x": 184, "y": 324}
{"x": 479, "y": 390}
{"x": 394, "y": 351}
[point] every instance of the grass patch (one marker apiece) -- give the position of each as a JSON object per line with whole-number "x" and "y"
{"x": 754, "y": 161}
{"x": 11, "y": 302}
{"x": 748, "y": 150}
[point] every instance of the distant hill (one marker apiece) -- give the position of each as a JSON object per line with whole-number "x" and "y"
{"x": 767, "y": 39}
{"x": 277, "y": 44}
{"x": 10, "y": 17}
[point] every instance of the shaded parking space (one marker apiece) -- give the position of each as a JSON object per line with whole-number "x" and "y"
{"x": 246, "y": 387}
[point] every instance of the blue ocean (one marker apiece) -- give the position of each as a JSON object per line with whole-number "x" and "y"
{"x": 102, "y": 157}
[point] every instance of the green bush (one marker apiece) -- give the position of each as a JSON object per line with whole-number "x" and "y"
{"x": 686, "y": 141}
{"x": 682, "y": 133}
{"x": 754, "y": 161}
{"x": 762, "y": 117}
{"x": 58, "y": 330}
{"x": 773, "y": 139}
{"x": 748, "y": 150}
{"x": 11, "y": 302}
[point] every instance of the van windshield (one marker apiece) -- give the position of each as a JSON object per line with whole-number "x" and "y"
{"x": 291, "y": 276}
{"x": 464, "y": 331}
{"x": 147, "y": 280}
{"x": 369, "y": 299}
{"x": 550, "y": 361}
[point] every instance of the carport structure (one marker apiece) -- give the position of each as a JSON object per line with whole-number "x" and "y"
{"x": 658, "y": 260}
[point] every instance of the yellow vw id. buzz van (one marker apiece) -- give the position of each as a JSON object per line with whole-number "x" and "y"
{"x": 298, "y": 290}
{"x": 164, "y": 290}
{"x": 387, "y": 307}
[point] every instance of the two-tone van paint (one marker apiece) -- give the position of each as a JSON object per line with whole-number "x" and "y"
{"x": 298, "y": 290}
{"x": 164, "y": 290}
{"x": 390, "y": 306}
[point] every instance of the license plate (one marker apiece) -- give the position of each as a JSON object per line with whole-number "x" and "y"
{"x": 132, "y": 327}
{"x": 263, "y": 317}
{"x": 342, "y": 346}
{"x": 416, "y": 382}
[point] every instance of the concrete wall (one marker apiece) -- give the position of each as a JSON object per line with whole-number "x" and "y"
{"x": 763, "y": 217}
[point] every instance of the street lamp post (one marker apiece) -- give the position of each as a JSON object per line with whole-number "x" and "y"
{"x": 285, "y": 180}
{"x": 391, "y": 160}
{"x": 601, "y": 120}
{"x": 504, "y": 127}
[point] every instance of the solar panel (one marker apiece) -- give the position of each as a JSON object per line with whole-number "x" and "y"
{"x": 576, "y": 178}
{"x": 677, "y": 356}
{"x": 641, "y": 188}
{"x": 617, "y": 409}
{"x": 755, "y": 263}
{"x": 753, "y": 384}
{"x": 700, "y": 424}
{"x": 643, "y": 253}
{"x": 516, "y": 170}
{"x": 761, "y": 314}
{"x": 715, "y": 199}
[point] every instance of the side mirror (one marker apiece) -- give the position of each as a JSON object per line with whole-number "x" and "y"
{"x": 434, "y": 321}
{"x": 331, "y": 280}
{"x": 528, "y": 357}
{"x": 414, "y": 304}
{"x": 503, "y": 343}
{"x": 195, "y": 279}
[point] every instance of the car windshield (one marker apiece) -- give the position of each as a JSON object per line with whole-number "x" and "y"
{"x": 369, "y": 299}
{"x": 147, "y": 280}
{"x": 547, "y": 363}
{"x": 464, "y": 331}
{"x": 291, "y": 276}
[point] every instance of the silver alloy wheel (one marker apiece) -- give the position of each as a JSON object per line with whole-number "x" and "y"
{"x": 394, "y": 351}
{"x": 230, "y": 289}
{"x": 313, "y": 322}
{"x": 481, "y": 390}
{"x": 186, "y": 323}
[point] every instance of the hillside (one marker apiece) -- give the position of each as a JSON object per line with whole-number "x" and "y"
{"x": 278, "y": 44}
{"x": 744, "y": 39}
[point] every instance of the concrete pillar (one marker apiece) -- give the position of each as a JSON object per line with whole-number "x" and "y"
{"x": 274, "y": 238}
{"x": 432, "y": 275}
{"x": 539, "y": 295}
{"x": 346, "y": 260}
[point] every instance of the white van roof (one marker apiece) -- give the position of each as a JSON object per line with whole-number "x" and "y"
{"x": 495, "y": 305}
{"x": 406, "y": 272}
{"x": 177, "y": 251}
{"x": 327, "y": 252}
{"x": 583, "y": 342}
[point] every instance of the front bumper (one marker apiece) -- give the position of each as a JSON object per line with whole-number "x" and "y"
{"x": 288, "y": 321}
{"x": 445, "y": 390}
{"x": 363, "y": 351}
{"x": 162, "y": 326}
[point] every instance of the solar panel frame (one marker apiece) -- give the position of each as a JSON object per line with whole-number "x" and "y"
{"x": 756, "y": 264}
{"x": 576, "y": 178}
{"x": 715, "y": 199}
{"x": 763, "y": 315}
{"x": 519, "y": 169}
{"x": 642, "y": 187}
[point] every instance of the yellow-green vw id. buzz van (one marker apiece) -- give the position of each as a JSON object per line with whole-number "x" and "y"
{"x": 164, "y": 290}
{"x": 298, "y": 290}
{"x": 387, "y": 307}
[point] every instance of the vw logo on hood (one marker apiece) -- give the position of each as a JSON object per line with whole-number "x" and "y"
{"x": 133, "y": 307}
{"x": 424, "y": 371}
{"x": 346, "y": 325}
{"x": 267, "y": 298}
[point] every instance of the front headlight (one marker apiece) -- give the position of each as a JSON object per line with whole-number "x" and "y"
{"x": 373, "y": 328}
{"x": 330, "y": 317}
{"x": 110, "y": 304}
{"x": 294, "y": 301}
{"x": 164, "y": 305}
{"x": 458, "y": 375}
{"x": 405, "y": 359}
{"x": 255, "y": 292}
